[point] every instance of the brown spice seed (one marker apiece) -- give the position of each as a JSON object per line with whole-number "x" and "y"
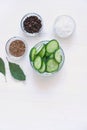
{"x": 17, "y": 48}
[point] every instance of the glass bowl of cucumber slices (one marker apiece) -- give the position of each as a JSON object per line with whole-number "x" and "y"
{"x": 47, "y": 57}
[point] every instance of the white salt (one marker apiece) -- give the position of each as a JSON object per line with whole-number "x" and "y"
{"x": 64, "y": 26}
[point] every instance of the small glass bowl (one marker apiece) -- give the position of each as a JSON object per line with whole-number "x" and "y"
{"x": 64, "y": 26}
{"x": 22, "y": 26}
{"x": 9, "y": 55}
{"x": 38, "y": 46}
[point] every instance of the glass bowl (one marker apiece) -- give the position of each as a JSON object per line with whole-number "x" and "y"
{"x": 64, "y": 26}
{"x": 40, "y": 45}
{"x": 24, "y": 18}
{"x": 7, "y": 48}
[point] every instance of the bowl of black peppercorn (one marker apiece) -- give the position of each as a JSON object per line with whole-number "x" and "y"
{"x": 31, "y": 24}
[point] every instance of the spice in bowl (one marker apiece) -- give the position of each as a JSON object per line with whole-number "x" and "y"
{"x": 15, "y": 47}
{"x": 31, "y": 24}
{"x": 64, "y": 26}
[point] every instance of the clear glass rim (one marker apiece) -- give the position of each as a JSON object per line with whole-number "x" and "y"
{"x": 22, "y": 20}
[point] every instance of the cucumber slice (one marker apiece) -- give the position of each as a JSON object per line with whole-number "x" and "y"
{"x": 33, "y": 54}
{"x": 47, "y": 54}
{"x": 52, "y": 65}
{"x": 39, "y": 47}
{"x": 42, "y": 52}
{"x": 43, "y": 67}
{"x": 58, "y": 56}
{"x": 52, "y": 46}
{"x": 37, "y": 63}
{"x": 51, "y": 56}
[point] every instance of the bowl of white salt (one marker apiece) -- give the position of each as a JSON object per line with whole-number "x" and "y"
{"x": 64, "y": 26}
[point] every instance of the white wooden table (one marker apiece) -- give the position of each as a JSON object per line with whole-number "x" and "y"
{"x": 52, "y": 103}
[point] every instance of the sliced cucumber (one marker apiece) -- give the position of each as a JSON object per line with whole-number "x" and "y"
{"x": 42, "y": 52}
{"x": 43, "y": 67}
{"x": 58, "y": 56}
{"x": 37, "y": 62}
{"x": 47, "y": 54}
{"x": 52, "y": 46}
{"x": 52, "y": 65}
{"x": 47, "y": 57}
{"x": 39, "y": 48}
{"x": 51, "y": 56}
{"x": 33, "y": 54}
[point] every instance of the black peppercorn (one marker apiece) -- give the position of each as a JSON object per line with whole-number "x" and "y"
{"x": 32, "y": 24}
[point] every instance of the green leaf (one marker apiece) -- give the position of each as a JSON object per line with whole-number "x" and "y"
{"x": 2, "y": 67}
{"x": 16, "y": 71}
